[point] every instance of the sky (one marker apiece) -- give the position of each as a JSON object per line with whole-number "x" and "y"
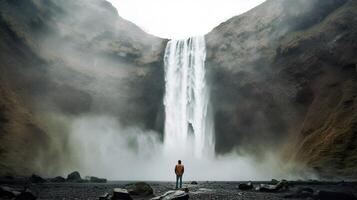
{"x": 179, "y": 19}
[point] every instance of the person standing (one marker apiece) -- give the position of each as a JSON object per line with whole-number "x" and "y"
{"x": 179, "y": 170}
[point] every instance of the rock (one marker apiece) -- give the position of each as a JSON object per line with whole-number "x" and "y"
{"x": 36, "y": 179}
{"x": 173, "y": 195}
{"x": 186, "y": 190}
{"x": 26, "y": 195}
{"x": 94, "y": 179}
{"x": 58, "y": 179}
{"x": 74, "y": 177}
{"x": 194, "y": 183}
{"x": 282, "y": 185}
{"x": 274, "y": 181}
{"x": 105, "y": 196}
{"x": 120, "y": 194}
{"x": 245, "y": 186}
{"x": 328, "y": 195}
{"x": 140, "y": 189}
{"x": 6, "y": 192}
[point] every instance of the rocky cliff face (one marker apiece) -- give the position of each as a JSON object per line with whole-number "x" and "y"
{"x": 283, "y": 79}
{"x": 64, "y": 60}
{"x": 285, "y": 74}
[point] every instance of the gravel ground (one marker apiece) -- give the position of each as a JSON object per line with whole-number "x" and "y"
{"x": 204, "y": 190}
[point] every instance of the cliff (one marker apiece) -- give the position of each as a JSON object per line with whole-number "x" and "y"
{"x": 284, "y": 78}
{"x": 63, "y": 60}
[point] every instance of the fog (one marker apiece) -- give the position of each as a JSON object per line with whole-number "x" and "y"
{"x": 104, "y": 148}
{"x": 98, "y": 94}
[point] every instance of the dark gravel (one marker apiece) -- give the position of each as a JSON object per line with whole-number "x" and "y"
{"x": 203, "y": 190}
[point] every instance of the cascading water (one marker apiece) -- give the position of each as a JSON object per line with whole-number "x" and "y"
{"x": 188, "y": 118}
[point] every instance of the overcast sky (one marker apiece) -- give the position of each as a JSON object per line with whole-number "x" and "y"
{"x": 181, "y": 18}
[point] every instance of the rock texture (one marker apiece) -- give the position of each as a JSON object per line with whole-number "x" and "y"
{"x": 282, "y": 75}
{"x": 285, "y": 73}
{"x": 62, "y": 60}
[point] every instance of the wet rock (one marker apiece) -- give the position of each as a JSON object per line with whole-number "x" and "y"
{"x": 140, "y": 189}
{"x": 194, "y": 183}
{"x": 36, "y": 179}
{"x": 58, "y": 179}
{"x": 120, "y": 194}
{"x": 274, "y": 181}
{"x": 26, "y": 195}
{"x": 6, "y": 192}
{"x": 74, "y": 177}
{"x": 173, "y": 195}
{"x": 245, "y": 186}
{"x": 281, "y": 186}
{"x": 105, "y": 196}
{"x": 328, "y": 195}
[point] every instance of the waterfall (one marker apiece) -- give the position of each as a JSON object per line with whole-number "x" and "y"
{"x": 188, "y": 116}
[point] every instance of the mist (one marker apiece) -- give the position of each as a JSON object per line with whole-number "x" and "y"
{"x": 106, "y": 149}
{"x": 98, "y": 94}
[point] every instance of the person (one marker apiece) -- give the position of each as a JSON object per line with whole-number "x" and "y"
{"x": 179, "y": 170}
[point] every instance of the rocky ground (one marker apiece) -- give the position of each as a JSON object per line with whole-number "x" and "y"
{"x": 202, "y": 190}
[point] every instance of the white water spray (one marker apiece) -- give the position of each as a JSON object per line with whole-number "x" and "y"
{"x": 133, "y": 154}
{"x": 188, "y": 118}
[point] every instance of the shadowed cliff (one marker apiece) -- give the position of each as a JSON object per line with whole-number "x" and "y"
{"x": 63, "y": 60}
{"x": 284, "y": 78}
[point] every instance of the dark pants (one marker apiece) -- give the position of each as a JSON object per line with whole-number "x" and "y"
{"x": 178, "y": 178}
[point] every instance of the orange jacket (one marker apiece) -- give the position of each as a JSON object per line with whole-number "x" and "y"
{"x": 179, "y": 169}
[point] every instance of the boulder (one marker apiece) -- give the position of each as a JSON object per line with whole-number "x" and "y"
{"x": 140, "y": 189}
{"x": 173, "y": 195}
{"x": 26, "y": 195}
{"x": 94, "y": 179}
{"x": 7, "y": 192}
{"x": 120, "y": 194}
{"x": 105, "y": 196}
{"x": 58, "y": 179}
{"x": 36, "y": 179}
{"x": 245, "y": 186}
{"x": 194, "y": 183}
{"x": 274, "y": 181}
{"x": 282, "y": 185}
{"x": 328, "y": 195}
{"x": 74, "y": 177}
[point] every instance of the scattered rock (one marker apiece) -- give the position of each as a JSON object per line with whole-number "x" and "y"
{"x": 282, "y": 185}
{"x": 105, "y": 196}
{"x": 6, "y": 192}
{"x": 121, "y": 194}
{"x": 58, "y": 179}
{"x": 245, "y": 186}
{"x": 140, "y": 189}
{"x": 328, "y": 195}
{"x": 74, "y": 177}
{"x": 194, "y": 183}
{"x": 173, "y": 195}
{"x": 26, "y": 195}
{"x": 94, "y": 179}
{"x": 274, "y": 181}
{"x": 36, "y": 179}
